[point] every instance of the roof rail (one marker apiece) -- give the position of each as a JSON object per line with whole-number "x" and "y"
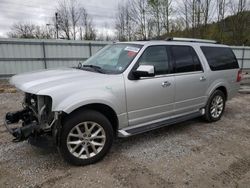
{"x": 190, "y": 40}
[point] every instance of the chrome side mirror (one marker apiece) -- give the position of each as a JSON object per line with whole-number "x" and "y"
{"x": 144, "y": 71}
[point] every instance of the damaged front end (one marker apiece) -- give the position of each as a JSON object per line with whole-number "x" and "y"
{"x": 36, "y": 117}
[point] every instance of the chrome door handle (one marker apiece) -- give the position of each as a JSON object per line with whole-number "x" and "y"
{"x": 203, "y": 78}
{"x": 165, "y": 84}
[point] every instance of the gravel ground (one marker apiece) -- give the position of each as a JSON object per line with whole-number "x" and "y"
{"x": 190, "y": 154}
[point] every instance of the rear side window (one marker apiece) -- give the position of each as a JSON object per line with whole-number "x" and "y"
{"x": 220, "y": 58}
{"x": 186, "y": 59}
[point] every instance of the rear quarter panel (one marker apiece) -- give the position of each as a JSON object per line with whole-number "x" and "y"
{"x": 226, "y": 78}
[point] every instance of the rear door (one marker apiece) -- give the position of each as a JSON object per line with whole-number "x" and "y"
{"x": 190, "y": 79}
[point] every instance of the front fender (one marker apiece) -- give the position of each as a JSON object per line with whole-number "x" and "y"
{"x": 82, "y": 98}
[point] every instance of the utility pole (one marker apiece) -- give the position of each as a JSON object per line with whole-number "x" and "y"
{"x": 47, "y": 31}
{"x": 198, "y": 13}
{"x": 56, "y": 15}
{"x": 81, "y": 33}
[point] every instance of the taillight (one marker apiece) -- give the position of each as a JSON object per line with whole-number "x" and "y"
{"x": 239, "y": 76}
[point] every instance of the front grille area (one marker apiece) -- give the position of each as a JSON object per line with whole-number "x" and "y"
{"x": 41, "y": 106}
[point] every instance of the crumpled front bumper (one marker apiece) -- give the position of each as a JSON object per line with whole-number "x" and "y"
{"x": 20, "y": 132}
{"x": 7, "y": 125}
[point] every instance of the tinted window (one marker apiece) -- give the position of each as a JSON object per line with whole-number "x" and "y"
{"x": 186, "y": 60}
{"x": 156, "y": 56}
{"x": 220, "y": 58}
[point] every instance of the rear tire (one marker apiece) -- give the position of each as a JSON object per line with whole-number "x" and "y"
{"x": 215, "y": 106}
{"x": 86, "y": 137}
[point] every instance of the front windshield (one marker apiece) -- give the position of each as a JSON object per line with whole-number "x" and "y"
{"x": 113, "y": 58}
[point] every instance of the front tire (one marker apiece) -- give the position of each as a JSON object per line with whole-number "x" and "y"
{"x": 86, "y": 137}
{"x": 215, "y": 106}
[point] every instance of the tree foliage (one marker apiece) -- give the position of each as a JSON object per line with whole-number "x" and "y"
{"x": 227, "y": 21}
{"x": 72, "y": 21}
{"x": 29, "y": 30}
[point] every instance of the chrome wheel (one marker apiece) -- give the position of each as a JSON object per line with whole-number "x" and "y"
{"x": 217, "y": 106}
{"x": 86, "y": 139}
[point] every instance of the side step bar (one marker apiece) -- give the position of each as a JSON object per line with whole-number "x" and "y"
{"x": 129, "y": 131}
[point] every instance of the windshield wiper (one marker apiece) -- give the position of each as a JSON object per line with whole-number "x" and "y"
{"x": 94, "y": 67}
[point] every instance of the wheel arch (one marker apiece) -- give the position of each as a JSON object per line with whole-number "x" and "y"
{"x": 219, "y": 86}
{"x": 223, "y": 89}
{"x": 104, "y": 109}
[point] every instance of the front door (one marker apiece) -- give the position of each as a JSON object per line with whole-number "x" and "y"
{"x": 151, "y": 99}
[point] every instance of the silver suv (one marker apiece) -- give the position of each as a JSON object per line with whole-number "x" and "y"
{"x": 125, "y": 89}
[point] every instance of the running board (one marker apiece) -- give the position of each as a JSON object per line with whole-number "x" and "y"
{"x": 129, "y": 131}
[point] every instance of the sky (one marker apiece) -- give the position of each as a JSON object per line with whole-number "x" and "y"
{"x": 41, "y": 12}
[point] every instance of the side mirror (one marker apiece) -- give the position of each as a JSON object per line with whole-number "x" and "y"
{"x": 144, "y": 71}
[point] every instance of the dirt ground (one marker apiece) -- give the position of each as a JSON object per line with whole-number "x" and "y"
{"x": 190, "y": 154}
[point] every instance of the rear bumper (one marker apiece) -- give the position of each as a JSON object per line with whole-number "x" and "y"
{"x": 233, "y": 92}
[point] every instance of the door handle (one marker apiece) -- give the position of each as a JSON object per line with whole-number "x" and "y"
{"x": 203, "y": 78}
{"x": 165, "y": 84}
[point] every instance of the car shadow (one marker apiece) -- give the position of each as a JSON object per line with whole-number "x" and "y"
{"x": 46, "y": 146}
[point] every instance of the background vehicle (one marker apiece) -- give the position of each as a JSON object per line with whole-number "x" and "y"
{"x": 125, "y": 89}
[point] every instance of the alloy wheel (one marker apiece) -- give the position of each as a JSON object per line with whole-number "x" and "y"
{"x": 217, "y": 106}
{"x": 86, "y": 140}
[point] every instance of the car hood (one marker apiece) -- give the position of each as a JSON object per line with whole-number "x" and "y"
{"x": 66, "y": 80}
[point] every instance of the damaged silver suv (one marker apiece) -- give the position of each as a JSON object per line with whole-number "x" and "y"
{"x": 125, "y": 89}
